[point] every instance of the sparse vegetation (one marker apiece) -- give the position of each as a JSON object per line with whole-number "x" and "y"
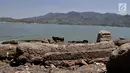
{"x": 77, "y": 18}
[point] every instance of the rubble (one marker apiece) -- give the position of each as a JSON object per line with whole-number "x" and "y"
{"x": 119, "y": 60}
{"x": 56, "y": 56}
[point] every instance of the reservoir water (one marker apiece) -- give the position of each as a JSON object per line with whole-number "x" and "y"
{"x": 21, "y": 31}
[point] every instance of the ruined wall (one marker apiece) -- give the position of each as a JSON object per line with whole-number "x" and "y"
{"x": 43, "y": 51}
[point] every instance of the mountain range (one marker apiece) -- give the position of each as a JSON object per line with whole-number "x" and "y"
{"x": 77, "y": 18}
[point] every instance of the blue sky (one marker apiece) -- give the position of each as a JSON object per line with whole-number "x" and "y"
{"x": 30, "y": 8}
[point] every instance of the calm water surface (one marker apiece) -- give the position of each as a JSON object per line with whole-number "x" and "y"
{"x": 70, "y": 32}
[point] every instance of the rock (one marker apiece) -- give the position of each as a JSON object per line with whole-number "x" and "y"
{"x": 52, "y": 66}
{"x": 42, "y": 41}
{"x": 104, "y": 35}
{"x": 35, "y": 52}
{"x": 32, "y": 40}
{"x": 21, "y": 60}
{"x": 7, "y": 51}
{"x": 10, "y": 42}
{"x": 58, "y": 39}
{"x": 66, "y": 63}
{"x": 121, "y": 42}
{"x": 91, "y": 54}
{"x": 119, "y": 61}
{"x": 84, "y": 41}
{"x": 121, "y": 38}
{"x": 37, "y": 61}
{"x": 51, "y": 41}
{"x": 100, "y": 60}
{"x": 45, "y": 40}
{"x": 24, "y": 71}
{"x": 92, "y": 68}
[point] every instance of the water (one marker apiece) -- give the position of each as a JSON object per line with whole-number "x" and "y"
{"x": 21, "y": 31}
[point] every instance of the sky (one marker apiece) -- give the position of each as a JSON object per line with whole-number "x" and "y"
{"x": 31, "y": 8}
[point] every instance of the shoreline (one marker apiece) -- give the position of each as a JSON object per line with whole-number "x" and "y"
{"x": 56, "y": 56}
{"x": 68, "y": 24}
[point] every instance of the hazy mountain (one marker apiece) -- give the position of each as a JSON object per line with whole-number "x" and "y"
{"x": 78, "y": 18}
{"x": 7, "y": 19}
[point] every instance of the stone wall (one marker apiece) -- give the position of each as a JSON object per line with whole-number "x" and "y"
{"x": 43, "y": 51}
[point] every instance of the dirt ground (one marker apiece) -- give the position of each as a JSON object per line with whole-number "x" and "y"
{"x": 27, "y": 68}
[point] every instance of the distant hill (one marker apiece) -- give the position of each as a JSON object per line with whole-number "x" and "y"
{"x": 77, "y": 18}
{"x": 6, "y": 19}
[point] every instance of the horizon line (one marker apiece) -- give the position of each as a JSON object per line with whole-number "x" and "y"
{"x": 66, "y": 13}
